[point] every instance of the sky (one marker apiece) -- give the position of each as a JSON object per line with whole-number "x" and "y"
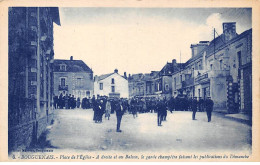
{"x": 139, "y": 40}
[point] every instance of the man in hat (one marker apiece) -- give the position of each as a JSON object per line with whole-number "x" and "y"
{"x": 209, "y": 107}
{"x": 194, "y": 105}
{"x": 119, "y": 113}
{"x": 160, "y": 107}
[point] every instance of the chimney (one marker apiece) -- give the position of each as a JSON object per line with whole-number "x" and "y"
{"x": 125, "y": 76}
{"x": 197, "y": 48}
{"x": 229, "y": 30}
{"x": 116, "y": 71}
{"x": 71, "y": 58}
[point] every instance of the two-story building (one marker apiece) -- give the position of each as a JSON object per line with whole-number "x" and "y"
{"x": 73, "y": 77}
{"x": 111, "y": 85}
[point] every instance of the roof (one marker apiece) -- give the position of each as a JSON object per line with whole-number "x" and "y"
{"x": 170, "y": 68}
{"x": 71, "y": 66}
{"x": 103, "y": 76}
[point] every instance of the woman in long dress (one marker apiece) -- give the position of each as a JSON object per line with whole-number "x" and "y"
{"x": 108, "y": 109}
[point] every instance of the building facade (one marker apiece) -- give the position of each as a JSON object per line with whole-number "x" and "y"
{"x": 30, "y": 73}
{"x": 111, "y": 85}
{"x": 73, "y": 77}
{"x": 142, "y": 85}
{"x": 163, "y": 80}
{"x": 222, "y": 70}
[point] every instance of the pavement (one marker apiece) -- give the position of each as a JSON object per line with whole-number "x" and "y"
{"x": 75, "y": 130}
{"x": 240, "y": 117}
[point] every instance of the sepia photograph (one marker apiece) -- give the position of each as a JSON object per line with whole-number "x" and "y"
{"x": 92, "y": 83}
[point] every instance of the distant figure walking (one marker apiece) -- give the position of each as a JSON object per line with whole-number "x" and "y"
{"x": 161, "y": 108}
{"x": 209, "y": 107}
{"x": 119, "y": 113}
{"x": 194, "y": 104}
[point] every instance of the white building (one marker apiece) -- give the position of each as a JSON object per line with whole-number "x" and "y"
{"x": 112, "y": 85}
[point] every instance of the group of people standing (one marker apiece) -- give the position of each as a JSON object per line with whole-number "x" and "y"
{"x": 104, "y": 105}
{"x": 206, "y": 106}
{"x": 195, "y": 105}
{"x": 67, "y": 101}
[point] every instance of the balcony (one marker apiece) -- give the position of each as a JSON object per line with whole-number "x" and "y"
{"x": 63, "y": 88}
{"x": 202, "y": 77}
{"x": 187, "y": 83}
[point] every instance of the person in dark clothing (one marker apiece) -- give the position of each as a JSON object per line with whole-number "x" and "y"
{"x": 78, "y": 102}
{"x": 66, "y": 101}
{"x": 201, "y": 104}
{"x": 134, "y": 107}
{"x": 119, "y": 113}
{"x": 160, "y": 107}
{"x": 102, "y": 109}
{"x": 194, "y": 104}
{"x": 55, "y": 102}
{"x": 73, "y": 99}
{"x": 83, "y": 103}
{"x": 60, "y": 101}
{"x": 95, "y": 109}
{"x": 209, "y": 107}
{"x": 170, "y": 104}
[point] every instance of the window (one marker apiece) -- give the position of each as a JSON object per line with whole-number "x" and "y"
{"x": 63, "y": 67}
{"x": 101, "y": 86}
{"x": 112, "y": 89}
{"x": 112, "y": 81}
{"x": 211, "y": 66}
{"x": 180, "y": 78}
{"x": 166, "y": 87}
{"x": 220, "y": 64}
{"x": 239, "y": 58}
{"x": 79, "y": 82}
{"x": 63, "y": 82}
{"x": 199, "y": 92}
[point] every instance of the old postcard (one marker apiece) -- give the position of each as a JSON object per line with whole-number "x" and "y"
{"x": 129, "y": 81}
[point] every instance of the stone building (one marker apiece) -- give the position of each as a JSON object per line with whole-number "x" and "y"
{"x": 30, "y": 73}
{"x": 222, "y": 69}
{"x": 142, "y": 85}
{"x": 111, "y": 85}
{"x": 163, "y": 80}
{"x": 73, "y": 77}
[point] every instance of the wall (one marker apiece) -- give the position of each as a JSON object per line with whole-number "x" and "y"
{"x": 31, "y": 50}
{"x": 71, "y": 78}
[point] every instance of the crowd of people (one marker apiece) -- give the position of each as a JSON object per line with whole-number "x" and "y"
{"x": 68, "y": 101}
{"x": 105, "y": 105}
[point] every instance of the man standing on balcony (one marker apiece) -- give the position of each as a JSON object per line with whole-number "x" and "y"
{"x": 194, "y": 105}
{"x": 209, "y": 107}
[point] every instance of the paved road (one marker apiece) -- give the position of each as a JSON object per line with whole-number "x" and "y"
{"x": 75, "y": 130}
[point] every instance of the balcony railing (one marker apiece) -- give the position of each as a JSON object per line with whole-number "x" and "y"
{"x": 202, "y": 77}
{"x": 188, "y": 82}
{"x": 63, "y": 88}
